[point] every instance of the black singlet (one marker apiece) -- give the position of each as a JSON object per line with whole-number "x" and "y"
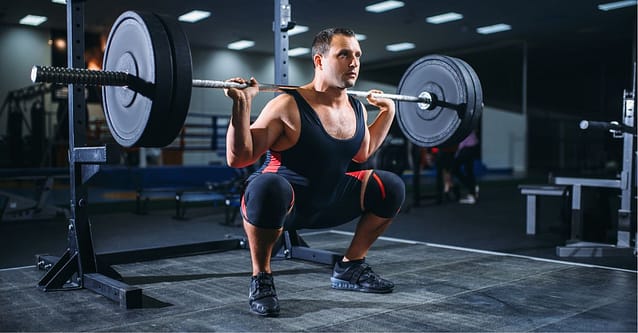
{"x": 318, "y": 162}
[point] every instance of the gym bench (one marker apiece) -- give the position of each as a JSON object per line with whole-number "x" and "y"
{"x": 531, "y": 191}
{"x": 218, "y": 195}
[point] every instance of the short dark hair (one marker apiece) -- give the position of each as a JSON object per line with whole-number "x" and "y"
{"x": 321, "y": 43}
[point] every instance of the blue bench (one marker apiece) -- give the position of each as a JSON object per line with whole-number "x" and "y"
{"x": 184, "y": 184}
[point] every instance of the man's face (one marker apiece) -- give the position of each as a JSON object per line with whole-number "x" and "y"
{"x": 341, "y": 63}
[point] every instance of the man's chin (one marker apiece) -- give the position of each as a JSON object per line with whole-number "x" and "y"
{"x": 349, "y": 84}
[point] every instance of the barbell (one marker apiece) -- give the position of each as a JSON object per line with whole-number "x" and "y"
{"x": 147, "y": 80}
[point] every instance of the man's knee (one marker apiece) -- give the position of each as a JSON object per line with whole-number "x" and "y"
{"x": 385, "y": 193}
{"x": 267, "y": 200}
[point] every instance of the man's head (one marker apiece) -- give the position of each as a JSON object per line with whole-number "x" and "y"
{"x": 336, "y": 53}
{"x": 321, "y": 43}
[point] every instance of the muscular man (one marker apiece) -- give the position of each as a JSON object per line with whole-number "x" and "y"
{"x": 310, "y": 135}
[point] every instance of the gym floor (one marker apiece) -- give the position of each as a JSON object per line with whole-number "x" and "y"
{"x": 457, "y": 268}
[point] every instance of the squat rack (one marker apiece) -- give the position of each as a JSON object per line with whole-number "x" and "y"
{"x": 80, "y": 267}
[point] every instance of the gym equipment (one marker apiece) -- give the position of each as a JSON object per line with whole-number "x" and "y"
{"x": 133, "y": 79}
{"x": 147, "y": 82}
{"x": 626, "y": 183}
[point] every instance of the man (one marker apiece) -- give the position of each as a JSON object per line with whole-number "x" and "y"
{"x": 310, "y": 135}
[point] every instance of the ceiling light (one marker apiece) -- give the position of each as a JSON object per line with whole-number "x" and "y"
{"x": 490, "y": 29}
{"x": 616, "y": 5}
{"x": 297, "y": 30}
{"x": 194, "y": 16}
{"x": 62, "y": 2}
{"x": 298, "y": 51}
{"x": 33, "y": 20}
{"x": 442, "y": 18}
{"x": 399, "y": 47}
{"x": 384, "y": 6}
{"x": 241, "y": 44}
{"x": 360, "y": 37}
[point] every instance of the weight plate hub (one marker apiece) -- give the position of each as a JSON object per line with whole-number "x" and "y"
{"x": 450, "y": 121}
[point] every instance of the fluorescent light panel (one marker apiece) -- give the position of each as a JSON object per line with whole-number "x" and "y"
{"x": 616, "y": 5}
{"x": 298, "y": 29}
{"x": 360, "y": 37}
{"x": 442, "y": 18}
{"x": 298, "y": 51}
{"x": 490, "y": 29}
{"x": 62, "y": 2}
{"x": 194, "y": 16}
{"x": 384, "y": 6}
{"x": 33, "y": 20}
{"x": 399, "y": 47}
{"x": 241, "y": 44}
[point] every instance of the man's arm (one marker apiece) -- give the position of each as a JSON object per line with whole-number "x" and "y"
{"x": 246, "y": 143}
{"x": 378, "y": 130}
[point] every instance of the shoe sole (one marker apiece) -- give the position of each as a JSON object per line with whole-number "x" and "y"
{"x": 265, "y": 314}
{"x": 345, "y": 285}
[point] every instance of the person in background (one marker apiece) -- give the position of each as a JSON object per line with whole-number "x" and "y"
{"x": 446, "y": 191}
{"x": 467, "y": 152}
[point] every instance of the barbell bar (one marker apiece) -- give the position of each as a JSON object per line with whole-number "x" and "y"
{"x": 63, "y": 75}
{"x": 147, "y": 80}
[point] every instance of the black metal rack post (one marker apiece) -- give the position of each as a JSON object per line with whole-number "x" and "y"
{"x": 79, "y": 266}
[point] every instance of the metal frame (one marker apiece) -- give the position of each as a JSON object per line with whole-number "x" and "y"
{"x": 290, "y": 245}
{"x": 79, "y": 266}
{"x": 577, "y": 248}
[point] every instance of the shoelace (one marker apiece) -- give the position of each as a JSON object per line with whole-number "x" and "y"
{"x": 262, "y": 288}
{"x": 370, "y": 276}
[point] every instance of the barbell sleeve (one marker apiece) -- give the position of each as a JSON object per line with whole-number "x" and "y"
{"x": 63, "y": 75}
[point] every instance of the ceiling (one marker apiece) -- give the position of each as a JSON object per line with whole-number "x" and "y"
{"x": 531, "y": 21}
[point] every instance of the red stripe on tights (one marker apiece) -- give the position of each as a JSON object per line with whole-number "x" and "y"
{"x": 376, "y": 177}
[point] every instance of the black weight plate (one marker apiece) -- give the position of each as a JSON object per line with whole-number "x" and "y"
{"x": 182, "y": 79}
{"x": 138, "y": 44}
{"x": 439, "y": 126}
{"x": 478, "y": 92}
{"x": 470, "y": 109}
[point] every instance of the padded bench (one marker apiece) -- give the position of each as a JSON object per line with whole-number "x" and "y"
{"x": 225, "y": 197}
{"x": 531, "y": 191}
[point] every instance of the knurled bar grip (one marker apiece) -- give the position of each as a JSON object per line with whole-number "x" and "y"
{"x": 63, "y": 75}
{"x": 89, "y": 77}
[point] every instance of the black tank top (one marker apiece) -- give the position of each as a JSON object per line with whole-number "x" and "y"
{"x": 318, "y": 161}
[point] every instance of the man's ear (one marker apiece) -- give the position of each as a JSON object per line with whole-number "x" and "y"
{"x": 317, "y": 60}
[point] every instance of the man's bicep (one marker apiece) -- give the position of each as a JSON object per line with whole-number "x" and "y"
{"x": 266, "y": 129}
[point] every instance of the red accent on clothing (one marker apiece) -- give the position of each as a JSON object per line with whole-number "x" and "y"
{"x": 274, "y": 164}
{"x": 292, "y": 201}
{"x": 243, "y": 207}
{"x": 360, "y": 175}
{"x": 376, "y": 177}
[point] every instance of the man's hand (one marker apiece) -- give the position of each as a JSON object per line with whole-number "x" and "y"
{"x": 381, "y": 103}
{"x": 247, "y": 93}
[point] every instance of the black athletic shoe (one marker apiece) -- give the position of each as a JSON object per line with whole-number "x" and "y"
{"x": 263, "y": 296}
{"x": 359, "y": 277}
